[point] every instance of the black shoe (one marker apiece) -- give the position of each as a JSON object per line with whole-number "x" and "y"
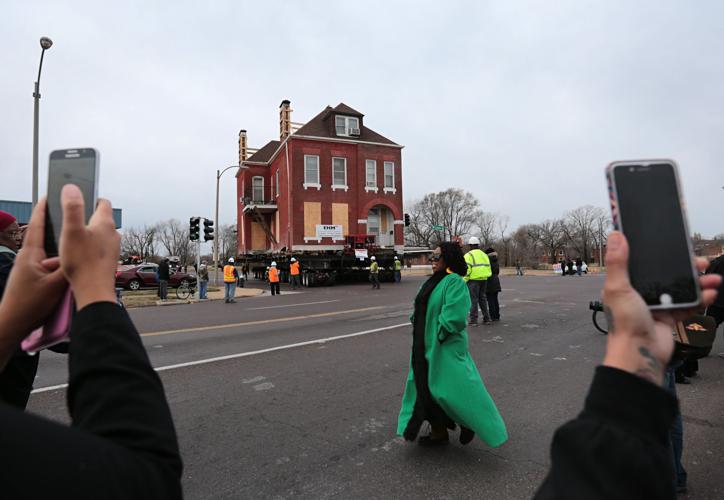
{"x": 496, "y": 319}
{"x": 466, "y": 435}
{"x": 430, "y": 442}
{"x": 487, "y": 322}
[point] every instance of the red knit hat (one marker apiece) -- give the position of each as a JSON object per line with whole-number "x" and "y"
{"x": 5, "y": 220}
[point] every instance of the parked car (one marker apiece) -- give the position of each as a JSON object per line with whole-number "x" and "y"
{"x": 144, "y": 276}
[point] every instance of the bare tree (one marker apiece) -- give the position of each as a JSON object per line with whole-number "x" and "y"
{"x": 227, "y": 242}
{"x": 524, "y": 245}
{"x": 457, "y": 211}
{"x": 580, "y": 227}
{"x": 420, "y": 232}
{"x": 487, "y": 227}
{"x": 551, "y": 237}
{"x": 501, "y": 226}
{"x": 139, "y": 242}
{"x": 174, "y": 237}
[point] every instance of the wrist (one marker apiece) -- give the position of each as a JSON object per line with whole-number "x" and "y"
{"x": 93, "y": 291}
{"x": 634, "y": 356}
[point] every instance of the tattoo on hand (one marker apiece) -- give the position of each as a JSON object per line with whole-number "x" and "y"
{"x": 653, "y": 370}
{"x": 609, "y": 317}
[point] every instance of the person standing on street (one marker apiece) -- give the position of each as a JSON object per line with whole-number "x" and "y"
{"x": 569, "y": 265}
{"x": 579, "y": 266}
{"x": 274, "y": 279}
{"x": 203, "y": 280}
{"x": 444, "y": 386}
{"x": 398, "y": 270}
{"x": 563, "y": 267}
{"x": 16, "y": 379}
{"x": 477, "y": 279}
{"x": 374, "y": 273}
{"x": 295, "y": 273}
{"x": 230, "y": 276}
{"x": 493, "y": 287}
{"x": 163, "y": 276}
{"x": 518, "y": 268}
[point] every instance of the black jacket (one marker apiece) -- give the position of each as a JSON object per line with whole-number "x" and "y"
{"x": 493, "y": 285}
{"x": 716, "y": 266}
{"x": 121, "y": 443}
{"x": 618, "y": 447}
{"x": 163, "y": 271}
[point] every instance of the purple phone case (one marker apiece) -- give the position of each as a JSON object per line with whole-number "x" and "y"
{"x": 55, "y": 330}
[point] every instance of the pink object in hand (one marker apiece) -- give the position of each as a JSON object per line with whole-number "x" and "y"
{"x": 55, "y": 330}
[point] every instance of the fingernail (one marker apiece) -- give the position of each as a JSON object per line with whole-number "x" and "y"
{"x": 614, "y": 241}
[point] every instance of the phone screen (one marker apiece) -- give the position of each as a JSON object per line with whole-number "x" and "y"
{"x": 71, "y": 166}
{"x": 651, "y": 217}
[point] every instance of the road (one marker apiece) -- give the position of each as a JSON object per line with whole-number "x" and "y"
{"x": 297, "y": 395}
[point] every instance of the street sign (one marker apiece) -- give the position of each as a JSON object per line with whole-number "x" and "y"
{"x": 438, "y": 228}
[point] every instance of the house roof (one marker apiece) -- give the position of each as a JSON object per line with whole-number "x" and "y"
{"x": 265, "y": 153}
{"x": 319, "y": 126}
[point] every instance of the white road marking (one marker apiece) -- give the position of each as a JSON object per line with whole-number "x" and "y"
{"x": 264, "y": 386}
{"x": 253, "y": 380}
{"x": 560, "y": 359}
{"x": 530, "y": 325}
{"x": 293, "y": 305}
{"x": 497, "y": 339}
{"x": 535, "y": 354}
{"x": 250, "y": 353}
{"x": 529, "y": 301}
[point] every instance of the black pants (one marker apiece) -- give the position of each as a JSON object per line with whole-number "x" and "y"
{"x": 716, "y": 312}
{"x": 16, "y": 380}
{"x": 375, "y": 279}
{"x": 493, "y": 305}
{"x": 275, "y": 288}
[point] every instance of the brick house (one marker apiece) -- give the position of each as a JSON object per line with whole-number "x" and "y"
{"x": 318, "y": 183}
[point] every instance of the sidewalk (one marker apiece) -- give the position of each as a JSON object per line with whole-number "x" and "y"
{"x": 148, "y": 300}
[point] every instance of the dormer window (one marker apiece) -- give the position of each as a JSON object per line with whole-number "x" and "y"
{"x": 347, "y": 125}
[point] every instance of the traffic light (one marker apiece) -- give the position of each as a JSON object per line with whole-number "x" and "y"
{"x": 407, "y": 220}
{"x": 208, "y": 230}
{"x": 194, "y": 228}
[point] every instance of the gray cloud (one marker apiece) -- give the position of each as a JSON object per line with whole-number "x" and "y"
{"x": 522, "y": 103}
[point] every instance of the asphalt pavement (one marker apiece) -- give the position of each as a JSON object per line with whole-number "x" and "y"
{"x": 296, "y": 396}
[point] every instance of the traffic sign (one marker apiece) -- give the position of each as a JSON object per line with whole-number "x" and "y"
{"x": 438, "y": 228}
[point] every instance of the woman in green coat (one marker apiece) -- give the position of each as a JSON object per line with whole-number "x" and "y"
{"x": 444, "y": 386}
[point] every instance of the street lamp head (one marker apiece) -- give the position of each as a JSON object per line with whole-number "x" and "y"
{"x": 46, "y": 43}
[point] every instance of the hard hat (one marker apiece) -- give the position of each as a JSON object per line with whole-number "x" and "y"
{"x": 474, "y": 241}
{"x": 293, "y": 259}
{"x": 396, "y": 257}
{"x": 373, "y": 258}
{"x": 231, "y": 259}
{"x": 274, "y": 264}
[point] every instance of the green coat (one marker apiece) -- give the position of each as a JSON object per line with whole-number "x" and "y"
{"x": 454, "y": 381}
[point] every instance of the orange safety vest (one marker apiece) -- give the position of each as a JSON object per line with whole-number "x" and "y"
{"x": 295, "y": 268}
{"x": 273, "y": 275}
{"x": 229, "y": 274}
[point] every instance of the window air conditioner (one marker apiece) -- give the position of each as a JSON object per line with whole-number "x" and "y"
{"x": 354, "y": 131}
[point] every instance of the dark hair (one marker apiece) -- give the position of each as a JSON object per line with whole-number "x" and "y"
{"x": 452, "y": 254}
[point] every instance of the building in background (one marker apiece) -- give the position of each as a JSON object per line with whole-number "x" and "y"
{"x": 318, "y": 183}
{"x": 22, "y": 210}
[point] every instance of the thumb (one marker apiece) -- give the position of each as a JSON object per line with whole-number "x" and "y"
{"x": 71, "y": 199}
{"x": 617, "y": 279}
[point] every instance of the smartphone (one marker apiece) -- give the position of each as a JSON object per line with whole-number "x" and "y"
{"x": 648, "y": 207}
{"x": 69, "y": 166}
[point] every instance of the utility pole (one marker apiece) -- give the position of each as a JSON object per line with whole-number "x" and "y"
{"x": 45, "y": 44}
{"x": 219, "y": 173}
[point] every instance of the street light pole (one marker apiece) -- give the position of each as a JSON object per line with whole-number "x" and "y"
{"x": 45, "y": 44}
{"x": 219, "y": 173}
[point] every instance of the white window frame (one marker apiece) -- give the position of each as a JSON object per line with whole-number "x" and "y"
{"x": 254, "y": 188}
{"x": 347, "y": 125}
{"x": 370, "y": 187}
{"x": 277, "y": 181}
{"x": 308, "y": 184}
{"x": 388, "y": 189}
{"x": 336, "y": 186}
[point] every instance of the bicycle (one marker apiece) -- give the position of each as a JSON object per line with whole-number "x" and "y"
{"x": 186, "y": 289}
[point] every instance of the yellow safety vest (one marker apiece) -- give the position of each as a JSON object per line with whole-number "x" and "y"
{"x": 229, "y": 274}
{"x": 478, "y": 265}
{"x": 398, "y": 265}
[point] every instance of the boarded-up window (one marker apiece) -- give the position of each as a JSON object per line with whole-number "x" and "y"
{"x": 276, "y": 223}
{"x": 258, "y": 238}
{"x": 312, "y": 217}
{"x": 340, "y": 216}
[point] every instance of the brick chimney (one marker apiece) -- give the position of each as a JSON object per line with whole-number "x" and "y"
{"x": 285, "y": 119}
{"x": 242, "y": 146}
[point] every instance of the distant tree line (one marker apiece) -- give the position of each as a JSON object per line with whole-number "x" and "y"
{"x": 458, "y": 214}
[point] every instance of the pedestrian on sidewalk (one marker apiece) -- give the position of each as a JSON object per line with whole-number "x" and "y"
{"x": 477, "y": 280}
{"x": 493, "y": 287}
{"x": 295, "y": 273}
{"x": 203, "y": 280}
{"x": 518, "y": 268}
{"x": 398, "y": 270}
{"x": 563, "y": 267}
{"x": 230, "y": 277}
{"x": 579, "y": 266}
{"x": 164, "y": 274}
{"x": 274, "y": 279}
{"x": 374, "y": 273}
{"x": 569, "y": 266}
{"x": 444, "y": 386}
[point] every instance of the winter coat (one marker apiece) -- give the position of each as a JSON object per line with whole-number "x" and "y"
{"x": 453, "y": 379}
{"x": 494, "y": 280}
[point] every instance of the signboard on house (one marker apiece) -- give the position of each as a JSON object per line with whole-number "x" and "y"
{"x": 360, "y": 253}
{"x": 334, "y": 231}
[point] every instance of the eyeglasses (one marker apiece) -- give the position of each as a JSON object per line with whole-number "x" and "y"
{"x": 435, "y": 258}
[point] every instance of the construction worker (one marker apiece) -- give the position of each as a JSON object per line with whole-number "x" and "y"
{"x": 374, "y": 273}
{"x": 295, "y": 274}
{"x": 274, "y": 279}
{"x": 230, "y": 276}
{"x": 398, "y": 270}
{"x": 477, "y": 278}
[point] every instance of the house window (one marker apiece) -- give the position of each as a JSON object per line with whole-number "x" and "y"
{"x": 346, "y": 124}
{"x": 277, "y": 183}
{"x": 311, "y": 172}
{"x": 257, "y": 189}
{"x": 371, "y": 175}
{"x": 339, "y": 173}
{"x": 390, "y": 177}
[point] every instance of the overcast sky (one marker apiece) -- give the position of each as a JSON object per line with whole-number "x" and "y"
{"x": 522, "y": 103}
